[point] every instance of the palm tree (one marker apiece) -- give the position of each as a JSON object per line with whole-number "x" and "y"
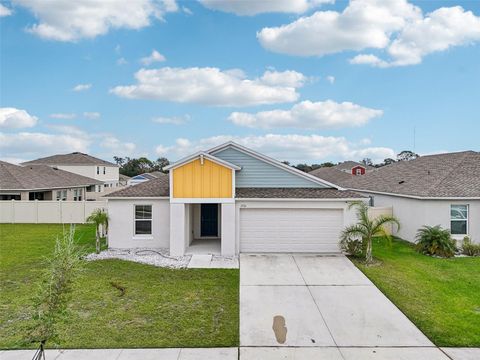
{"x": 100, "y": 218}
{"x": 366, "y": 228}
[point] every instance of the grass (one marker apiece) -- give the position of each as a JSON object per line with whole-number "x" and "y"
{"x": 441, "y": 296}
{"x": 159, "y": 307}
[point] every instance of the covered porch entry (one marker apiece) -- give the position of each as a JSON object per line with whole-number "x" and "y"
{"x": 202, "y": 228}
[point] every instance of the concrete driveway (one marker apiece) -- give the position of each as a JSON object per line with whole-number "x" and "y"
{"x": 313, "y": 306}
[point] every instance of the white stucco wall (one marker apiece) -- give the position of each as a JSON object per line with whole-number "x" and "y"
{"x": 111, "y": 172}
{"x": 121, "y": 224}
{"x": 414, "y": 213}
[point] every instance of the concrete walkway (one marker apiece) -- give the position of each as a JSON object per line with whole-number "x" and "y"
{"x": 312, "y": 306}
{"x": 127, "y": 354}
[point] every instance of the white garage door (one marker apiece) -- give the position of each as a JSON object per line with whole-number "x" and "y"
{"x": 290, "y": 230}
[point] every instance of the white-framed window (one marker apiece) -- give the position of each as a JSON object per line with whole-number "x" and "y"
{"x": 459, "y": 219}
{"x": 104, "y": 170}
{"x": 358, "y": 171}
{"x": 143, "y": 219}
{"x": 61, "y": 195}
{"x": 98, "y": 170}
{"x": 77, "y": 194}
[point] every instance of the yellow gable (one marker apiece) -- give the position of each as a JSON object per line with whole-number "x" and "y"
{"x": 197, "y": 180}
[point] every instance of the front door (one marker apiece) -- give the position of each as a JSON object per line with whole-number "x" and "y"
{"x": 209, "y": 220}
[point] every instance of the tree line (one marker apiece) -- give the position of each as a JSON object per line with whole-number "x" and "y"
{"x": 135, "y": 166}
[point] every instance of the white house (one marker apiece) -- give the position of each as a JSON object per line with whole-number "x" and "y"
{"x": 85, "y": 165}
{"x": 227, "y": 200}
{"x": 441, "y": 189}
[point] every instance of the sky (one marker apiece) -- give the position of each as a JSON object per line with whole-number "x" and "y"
{"x": 299, "y": 80}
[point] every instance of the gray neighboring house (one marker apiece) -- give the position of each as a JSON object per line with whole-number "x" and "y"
{"x": 441, "y": 189}
{"x": 83, "y": 164}
{"x": 140, "y": 178}
{"x": 42, "y": 182}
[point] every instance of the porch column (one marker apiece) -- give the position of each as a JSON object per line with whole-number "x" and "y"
{"x": 228, "y": 229}
{"x": 177, "y": 229}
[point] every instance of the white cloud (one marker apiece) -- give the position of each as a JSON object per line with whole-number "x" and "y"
{"x": 5, "y": 11}
{"x": 155, "y": 56}
{"x": 12, "y": 118}
{"x": 212, "y": 86}
{"x": 291, "y": 147}
{"x": 66, "y": 20}
{"x": 174, "y": 120}
{"x": 91, "y": 115}
{"x": 309, "y": 115}
{"x": 82, "y": 87}
{"x": 187, "y": 11}
{"x": 250, "y": 8}
{"x": 64, "y": 116}
{"x": 62, "y": 139}
{"x": 362, "y": 24}
{"x": 396, "y": 27}
{"x": 117, "y": 147}
{"x": 122, "y": 61}
{"x": 29, "y": 145}
{"x": 331, "y": 79}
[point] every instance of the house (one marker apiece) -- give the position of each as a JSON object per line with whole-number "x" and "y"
{"x": 123, "y": 179}
{"x": 42, "y": 182}
{"x": 227, "y": 200}
{"x": 353, "y": 167}
{"x": 441, "y": 189}
{"x": 138, "y": 179}
{"x": 85, "y": 165}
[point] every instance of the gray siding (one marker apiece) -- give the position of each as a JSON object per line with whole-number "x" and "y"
{"x": 256, "y": 173}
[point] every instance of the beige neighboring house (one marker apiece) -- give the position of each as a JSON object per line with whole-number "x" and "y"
{"x": 42, "y": 182}
{"x": 441, "y": 189}
{"x": 86, "y": 165}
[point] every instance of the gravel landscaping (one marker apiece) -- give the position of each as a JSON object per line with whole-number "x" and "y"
{"x": 160, "y": 258}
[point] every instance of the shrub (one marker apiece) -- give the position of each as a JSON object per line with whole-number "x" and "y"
{"x": 433, "y": 240}
{"x": 469, "y": 248}
{"x": 352, "y": 247}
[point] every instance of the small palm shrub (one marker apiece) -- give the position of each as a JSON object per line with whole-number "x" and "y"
{"x": 352, "y": 247}
{"x": 365, "y": 230}
{"x": 434, "y": 240}
{"x": 469, "y": 248}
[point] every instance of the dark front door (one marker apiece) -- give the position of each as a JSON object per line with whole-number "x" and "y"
{"x": 209, "y": 220}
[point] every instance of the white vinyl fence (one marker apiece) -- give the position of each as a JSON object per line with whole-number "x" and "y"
{"x": 48, "y": 212}
{"x": 374, "y": 212}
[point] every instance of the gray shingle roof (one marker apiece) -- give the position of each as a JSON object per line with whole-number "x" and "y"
{"x": 348, "y": 165}
{"x": 39, "y": 177}
{"x": 332, "y": 175}
{"x": 294, "y": 193}
{"x": 160, "y": 187}
{"x": 75, "y": 158}
{"x": 443, "y": 175}
{"x": 150, "y": 188}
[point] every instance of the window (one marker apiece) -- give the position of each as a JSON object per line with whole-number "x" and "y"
{"x": 143, "y": 219}
{"x": 358, "y": 171}
{"x": 77, "y": 195}
{"x": 61, "y": 195}
{"x": 98, "y": 170}
{"x": 459, "y": 219}
{"x": 104, "y": 169}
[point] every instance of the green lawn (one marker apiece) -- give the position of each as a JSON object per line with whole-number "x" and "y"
{"x": 441, "y": 296}
{"x": 160, "y": 308}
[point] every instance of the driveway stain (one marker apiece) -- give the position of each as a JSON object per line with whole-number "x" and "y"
{"x": 279, "y": 329}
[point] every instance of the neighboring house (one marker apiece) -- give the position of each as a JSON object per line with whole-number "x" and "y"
{"x": 235, "y": 197}
{"x": 441, "y": 189}
{"x": 138, "y": 179}
{"x": 123, "y": 179}
{"x": 85, "y": 165}
{"x": 41, "y": 182}
{"x": 352, "y": 168}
